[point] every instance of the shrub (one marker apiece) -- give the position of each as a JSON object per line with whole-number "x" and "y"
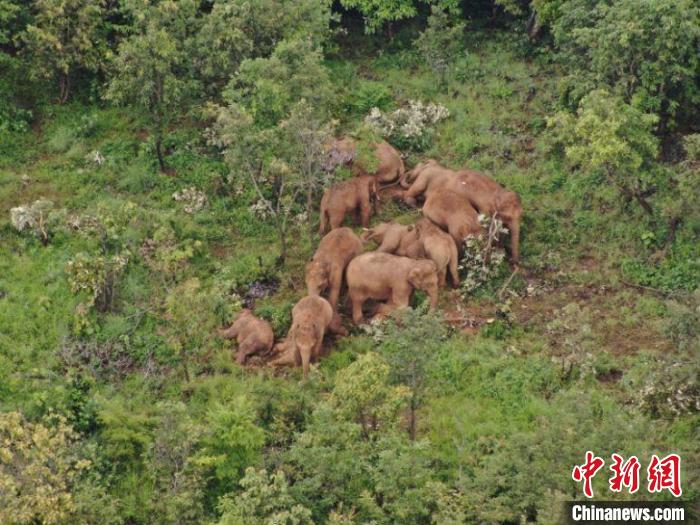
{"x": 483, "y": 258}
{"x": 98, "y": 275}
{"x": 38, "y": 218}
{"x": 409, "y": 127}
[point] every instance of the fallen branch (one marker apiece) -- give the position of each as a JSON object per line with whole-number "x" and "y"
{"x": 506, "y": 284}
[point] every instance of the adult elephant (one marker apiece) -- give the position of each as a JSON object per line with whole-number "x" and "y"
{"x": 483, "y": 193}
{"x": 389, "y": 164}
{"x": 312, "y": 318}
{"x": 390, "y": 279}
{"x": 453, "y": 213}
{"x": 355, "y": 196}
{"x": 324, "y": 272}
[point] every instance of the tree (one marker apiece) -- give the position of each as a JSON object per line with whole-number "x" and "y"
{"x": 408, "y": 344}
{"x": 236, "y": 30}
{"x": 265, "y": 500}
{"x": 40, "y": 465}
{"x": 271, "y": 130}
{"x": 645, "y": 51}
{"x": 152, "y": 70}
{"x": 378, "y": 13}
{"x": 63, "y": 37}
{"x": 440, "y": 41}
{"x": 613, "y": 138}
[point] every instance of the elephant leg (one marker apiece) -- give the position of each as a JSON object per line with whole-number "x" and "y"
{"x": 336, "y": 280}
{"x": 336, "y": 219}
{"x": 306, "y": 360}
{"x": 357, "y": 302}
{"x": 442, "y": 277}
{"x": 336, "y": 326}
{"x": 515, "y": 242}
{"x": 454, "y": 270}
{"x": 365, "y": 211}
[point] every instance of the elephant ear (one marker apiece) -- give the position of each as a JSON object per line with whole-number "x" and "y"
{"x": 414, "y": 274}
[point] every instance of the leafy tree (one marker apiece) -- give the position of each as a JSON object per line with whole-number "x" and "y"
{"x": 62, "y": 37}
{"x": 191, "y": 319}
{"x": 440, "y": 41}
{"x": 236, "y": 30}
{"x": 272, "y": 132}
{"x": 378, "y": 13}
{"x": 645, "y": 51}
{"x": 40, "y": 465}
{"x": 152, "y": 71}
{"x": 408, "y": 344}
{"x": 265, "y": 500}
{"x": 613, "y": 138}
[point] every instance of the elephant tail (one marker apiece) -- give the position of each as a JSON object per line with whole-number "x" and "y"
{"x": 324, "y": 214}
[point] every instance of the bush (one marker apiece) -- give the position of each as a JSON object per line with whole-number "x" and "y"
{"x": 38, "y": 218}
{"x": 410, "y": 127}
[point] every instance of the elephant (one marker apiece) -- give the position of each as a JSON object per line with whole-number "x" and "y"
{"x": 390, "y": 167}
{"x": 312, "y": 318}
{"x": 423, "y": 240}
{"x": 324, "y": 272}
{"x": 397, "y": 239}
{"x": 389, "y": 278}
{"x": 352, "y": 195}
{"x": 440, "y": 248}
{"x": 253, "y": 335}
{"x": 483, "y": 193}
{"x": 453, "y": 213}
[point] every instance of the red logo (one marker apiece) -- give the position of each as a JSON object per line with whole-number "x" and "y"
{"x": 625, "y": 474}
{"x": 587, "y": 471}
{"x": 665, "y": 474}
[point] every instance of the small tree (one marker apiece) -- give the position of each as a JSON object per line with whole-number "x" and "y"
{"x": 615, "y": 139}
{"x": 62, "y": 37}
{"x": 440, "y": 41}
{"x": 152, "y": 70}
{"x": 378, "y": 13}
{"x": 272, "y": 129}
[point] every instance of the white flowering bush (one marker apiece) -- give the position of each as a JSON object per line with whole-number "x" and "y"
{"x": 483, "y": 257}
{"x": 409, "y": 127}
{"x": 39, "y": 218}
{"x": 96, "y": 158}
{"x": 192, "y": 199}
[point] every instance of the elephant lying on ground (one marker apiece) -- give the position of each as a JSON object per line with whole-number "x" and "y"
{"x": 390, "y": 166}
{"x": 389, "y": 278}
{"x": 423, "y": 240}
{"x": 253, "y": 335}
{"x": 324, "y": 272}
{"x": 453, "y": 213}
{"x": 482, "y": 192}
{"x": 395, "y": 238}
{"x": 354, "y": 195}
{"x": 312, "y": 317}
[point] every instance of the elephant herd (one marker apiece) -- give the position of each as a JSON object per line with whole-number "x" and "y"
{"x": 408, "y": 257}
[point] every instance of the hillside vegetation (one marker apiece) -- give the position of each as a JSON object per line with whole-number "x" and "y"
{"x": 155, "y": 178}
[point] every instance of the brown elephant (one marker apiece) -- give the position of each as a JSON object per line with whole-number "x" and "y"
{"x": 395, "y": 238}
{"x": 354, "y": 195}
{"x": 440, "y": 248}
{"x": 390, "y": 166}
{"x": 483, "y": 193}
{"x": 453, "y": 213}
{"x": 324, "y": 272}
{"x": 389, "y": 278}
{"x": 312, "y": 318}
{"x": 253, "y": 335}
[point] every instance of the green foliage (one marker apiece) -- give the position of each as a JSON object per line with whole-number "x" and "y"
{"x": 440, "y": 42}
{"x": 378, "y": 13}
{"x": 152, "y": 70}
{"x": 615, "y": 139}
{"x": 265, "y": 500}
{"x": 62, "y": 37}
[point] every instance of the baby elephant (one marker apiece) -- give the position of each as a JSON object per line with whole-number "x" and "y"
{"x": 397, "y": 239}
{"x": 324, "y": 272}
{"x": 440, "y": 248}
{"x": 312, "y": 316}
{"x": 390, "y": 278}
{"x": 354, "y": 195}
{"x": 253, "y": 335}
